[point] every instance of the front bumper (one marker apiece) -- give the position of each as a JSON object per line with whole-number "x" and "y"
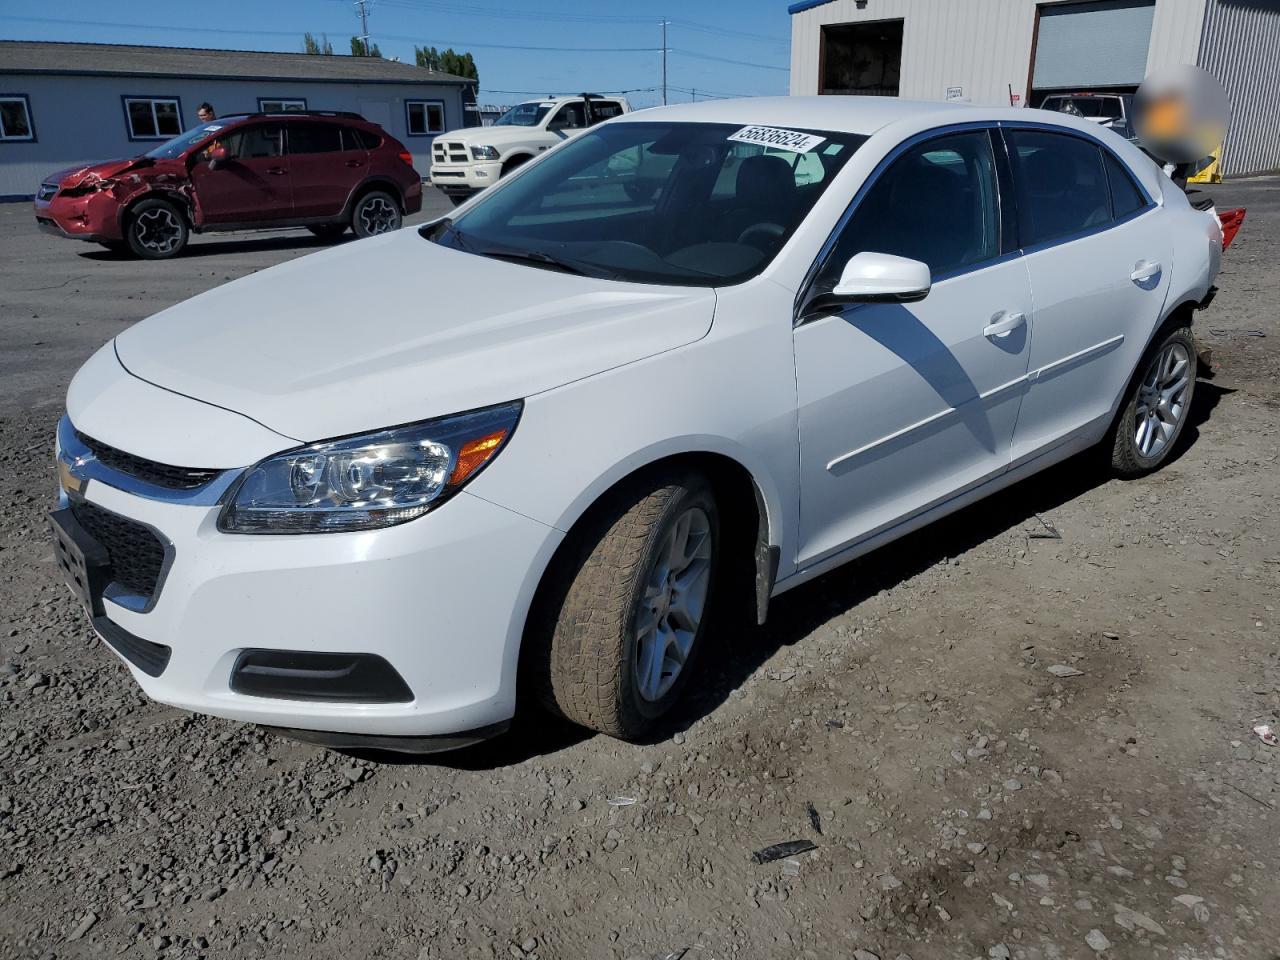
{"x": 442, "y": 599}
{"x": 465, "y": 178}
{"x": 92, "y": 217}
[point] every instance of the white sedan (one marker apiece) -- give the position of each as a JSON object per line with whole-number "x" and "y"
{"x": 672, "y": 368}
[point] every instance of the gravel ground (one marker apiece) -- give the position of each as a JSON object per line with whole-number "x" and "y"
{"x": 1024, "y": 733}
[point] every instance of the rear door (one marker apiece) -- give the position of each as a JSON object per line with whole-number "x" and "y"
{"x": 1099, "y": 261}
{"x": 252, "y": 186}
{"x": 323, "y": 173}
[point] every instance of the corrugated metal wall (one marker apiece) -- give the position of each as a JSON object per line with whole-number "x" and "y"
{"x": 1241, "y": 47}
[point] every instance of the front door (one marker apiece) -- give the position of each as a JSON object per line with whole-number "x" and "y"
{"x": 903, "y": 406}
{"x": 252, "y": 185}
{"x": 322, "y": 173}
{"x": 1099, "y": 264}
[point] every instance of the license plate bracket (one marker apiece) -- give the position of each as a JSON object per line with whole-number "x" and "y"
{"x": 85, "y": 564}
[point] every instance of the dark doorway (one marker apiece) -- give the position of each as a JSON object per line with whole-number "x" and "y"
{"x": 861, "y": 58}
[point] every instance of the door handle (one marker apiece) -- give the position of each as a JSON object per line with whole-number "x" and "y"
{"x": 1001, "y": 328}
{"x": 355, "y": 163}
{"x": 277, "y": 171}
{"x": 1144, "y": 270}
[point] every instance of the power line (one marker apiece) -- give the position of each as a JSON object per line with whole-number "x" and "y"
{"x": 740, "y": 63}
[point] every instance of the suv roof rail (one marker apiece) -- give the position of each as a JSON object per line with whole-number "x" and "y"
{"x": 345, "y": 114}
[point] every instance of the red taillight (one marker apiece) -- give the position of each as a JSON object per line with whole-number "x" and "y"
{"x": 407, "y": 157}
{"x": 1230, "y": 220}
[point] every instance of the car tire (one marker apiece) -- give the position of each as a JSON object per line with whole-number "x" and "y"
{"x": 156, "y": 230}
{"x": 1156, "y": 407}
{"x": 515, "y": 163}
{"x": 375, "y": 213}
{"x": 614, "y": 604}
{"x": 329, "y": 232}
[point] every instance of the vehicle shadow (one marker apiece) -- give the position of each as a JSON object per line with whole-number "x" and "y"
{"x": 731, "y": 660}
{"x": 211, "y": 248}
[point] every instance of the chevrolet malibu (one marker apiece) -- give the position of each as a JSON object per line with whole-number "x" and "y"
{"x": 548, "y": 443}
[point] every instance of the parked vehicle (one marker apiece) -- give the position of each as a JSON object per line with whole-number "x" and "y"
{"x": 1111, "y": 110}
{"x": 325, "y": 171}
{"x": 464, "y": 162}
{"x": 616, "y": 423}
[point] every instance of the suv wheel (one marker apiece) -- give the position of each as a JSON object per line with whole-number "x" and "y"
{"x": 1156, "y": 407}
{"x": 376, "y": 212}
{"x": 157, "y": 230}
{"x": 617, "y": 634}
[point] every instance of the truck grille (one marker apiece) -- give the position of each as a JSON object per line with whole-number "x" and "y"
{"x": 159, "y": 474}
{"x": 449, "y": 152}
{"x": 136, "y": 554}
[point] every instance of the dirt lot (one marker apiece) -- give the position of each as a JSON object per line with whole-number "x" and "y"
{"x": 900, "y": 714}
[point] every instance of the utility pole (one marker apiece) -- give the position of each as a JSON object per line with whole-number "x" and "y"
{"x": 664, "y": 61}
{"x": 693, "y": 95}
{"x": 364, "y": 25}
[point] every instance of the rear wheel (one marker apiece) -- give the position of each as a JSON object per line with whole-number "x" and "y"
{"x": 376, "y": 212}
{"x": 621, "y": 626}
{"x": 157, "y": 230}
{"x": 1155, "y": 409}
{"x": 329, "y": 232}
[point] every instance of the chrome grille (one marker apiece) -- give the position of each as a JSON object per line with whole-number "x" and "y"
{"x": 160, "y": 474}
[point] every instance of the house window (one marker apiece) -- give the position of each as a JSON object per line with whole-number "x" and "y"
{"x": 424, "y": 118}
{"x": 282, "y": 106}
{"x": 15, "y": 118}
{"x": 153, "y": 118}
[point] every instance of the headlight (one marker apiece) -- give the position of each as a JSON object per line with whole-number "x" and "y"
{"x": 484, "y": 153}
{"x": 370, "y": 481}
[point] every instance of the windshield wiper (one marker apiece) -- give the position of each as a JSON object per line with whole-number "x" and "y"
{"x": 546, "y": 261}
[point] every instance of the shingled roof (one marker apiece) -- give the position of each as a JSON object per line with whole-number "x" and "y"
{"x": 127, "y": 60}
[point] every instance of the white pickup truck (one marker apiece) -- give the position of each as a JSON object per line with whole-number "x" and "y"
{"x": 464, "y": 162}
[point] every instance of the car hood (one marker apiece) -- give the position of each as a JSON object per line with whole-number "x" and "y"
{"x": 497, "y": 136}
{"x": 103, "y": 170}
{"x": 395, "y": 329}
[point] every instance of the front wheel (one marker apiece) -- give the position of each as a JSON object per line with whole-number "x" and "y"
{"x": 1156, "y": 407}
{"x": 157, "y": 230}
{"x": 376, "y": 212}
{"x": 621, "y": 629}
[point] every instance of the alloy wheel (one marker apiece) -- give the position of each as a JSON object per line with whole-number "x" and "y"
{"x": 1162, "y": 400}
{"x": 158, "y": 230}
{"x": 674, "y": 600}
{"x": 378, "y": 215}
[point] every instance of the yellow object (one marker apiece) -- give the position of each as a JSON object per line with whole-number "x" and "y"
{"x": 1211, "y": 173}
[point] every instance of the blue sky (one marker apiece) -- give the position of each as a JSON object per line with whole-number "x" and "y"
{"x": 607, "y": 45}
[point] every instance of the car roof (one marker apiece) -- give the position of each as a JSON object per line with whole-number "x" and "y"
{"x": 857, "y": 115}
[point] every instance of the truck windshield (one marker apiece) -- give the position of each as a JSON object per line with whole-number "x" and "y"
{"x": 523, "y": 115}
{"x": 175, "y": 147}
{"x": 694, "y": 204}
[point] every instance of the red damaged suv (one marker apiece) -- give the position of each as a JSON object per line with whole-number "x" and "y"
{"x": 323, "y": 171}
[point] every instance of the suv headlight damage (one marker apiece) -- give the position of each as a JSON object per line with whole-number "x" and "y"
{"x": 369, "y": 481}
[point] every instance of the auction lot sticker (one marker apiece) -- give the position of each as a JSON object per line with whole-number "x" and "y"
{"x": 778, "y": 138}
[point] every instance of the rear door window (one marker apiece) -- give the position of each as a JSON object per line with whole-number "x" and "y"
{"x": 1060, "y": 185}
{"x": 314, "y": 138}
{"x": 605, "y": 110}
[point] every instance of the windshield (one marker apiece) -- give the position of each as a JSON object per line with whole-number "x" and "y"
{"x": 697, "y": 204}
{"x": 524, "y": 115}
{"x": 179, "y": 144}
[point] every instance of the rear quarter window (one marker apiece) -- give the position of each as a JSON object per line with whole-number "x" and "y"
{"x": 1125, "y": 195}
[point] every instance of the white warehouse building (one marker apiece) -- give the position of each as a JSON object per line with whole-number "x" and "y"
{"x": 1019, "y": 51}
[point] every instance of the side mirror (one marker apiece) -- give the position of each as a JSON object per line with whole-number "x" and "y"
{"x": 882, "y": 278}
{"x": 217, "y": 157}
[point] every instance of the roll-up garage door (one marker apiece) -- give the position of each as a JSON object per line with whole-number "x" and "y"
{"x": 1099, "y": 44}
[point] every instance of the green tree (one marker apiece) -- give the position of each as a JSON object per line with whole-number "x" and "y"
{"x": 309, "y": 45}
{"x": 358, "y": 50}
{"x": 450, "y": 61}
